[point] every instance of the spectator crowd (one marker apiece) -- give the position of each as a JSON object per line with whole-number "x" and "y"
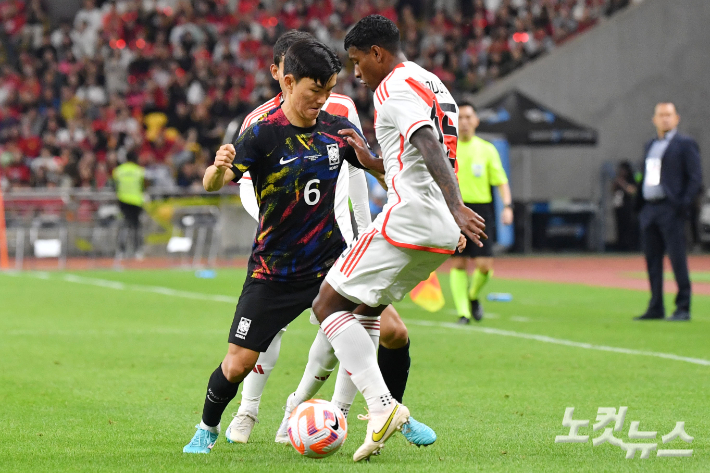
{"x": 164, "y": 78}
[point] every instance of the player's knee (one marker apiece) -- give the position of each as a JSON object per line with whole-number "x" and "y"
{"x": 394, "y": 336}
{"x": 485, "y": 266}
{"x": 236, "y": 367}
{"x": 458, "y": 263}
{"x": 319, "y": 308}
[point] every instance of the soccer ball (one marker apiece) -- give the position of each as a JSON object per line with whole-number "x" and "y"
{"x": 317, "y": 428}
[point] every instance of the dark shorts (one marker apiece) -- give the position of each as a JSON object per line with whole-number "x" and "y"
{"x": 131, "y": 213}
{"x": 472, "y": 250}
{"x": 265, "y": 307}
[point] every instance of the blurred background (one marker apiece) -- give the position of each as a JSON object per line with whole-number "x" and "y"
{"x": 565, "y": 89}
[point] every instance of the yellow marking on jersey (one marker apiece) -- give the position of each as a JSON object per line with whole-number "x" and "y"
{"x": 310, "y": 140}
{"x": 269, "y": 185}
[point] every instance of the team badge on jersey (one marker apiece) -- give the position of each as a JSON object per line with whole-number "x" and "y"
{"x": 477, "y": 170}
{"x": 243, "y": 328}
{"x": 333, "y": 155}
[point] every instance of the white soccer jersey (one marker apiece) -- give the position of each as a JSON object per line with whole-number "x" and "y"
{"x": 416, "y": 215}
{"x": 337, "y": 104}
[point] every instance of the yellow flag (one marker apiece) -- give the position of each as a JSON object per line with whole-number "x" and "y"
{"x": 428, "y": 295}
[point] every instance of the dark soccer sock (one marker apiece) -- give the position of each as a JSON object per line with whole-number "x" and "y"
{"x": 219, "y": 393}
{"x": 394, "y": 365}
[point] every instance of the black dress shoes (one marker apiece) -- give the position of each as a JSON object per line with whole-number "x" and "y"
{"x": 679, "y": 316}
{"x": 648, "y": 316}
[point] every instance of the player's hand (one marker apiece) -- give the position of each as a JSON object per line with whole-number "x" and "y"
{"x": 462, "y": 243}
{"x": 471, "y": 224}
{"x": 363, "y": 153}
{"x": 507, "y": 217}
{"x": 225, "y": 157}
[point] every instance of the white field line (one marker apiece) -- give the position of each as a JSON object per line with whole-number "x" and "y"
{"x": 426, "y": 323}
{"x": 166, "y": 291}
{"x": 558, "y": 341}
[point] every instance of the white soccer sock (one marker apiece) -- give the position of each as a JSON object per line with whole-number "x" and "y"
{"x": 215, "y": 430}
{"x": 255, "y": 382}
{"x": 321, "y": 363}
{"x": 354, "y": 349}
{"x": 345, "y": 389}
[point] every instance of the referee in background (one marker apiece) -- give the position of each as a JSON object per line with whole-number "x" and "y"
{"x": 479, "y": 168}
{"x": 129, "y": 180}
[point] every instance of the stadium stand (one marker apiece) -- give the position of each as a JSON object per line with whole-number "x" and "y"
{"x": 165, "y": 77}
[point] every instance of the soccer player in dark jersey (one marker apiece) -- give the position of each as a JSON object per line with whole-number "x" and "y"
{"x": 393, "y": 339}
{"x": 294, "y": 156}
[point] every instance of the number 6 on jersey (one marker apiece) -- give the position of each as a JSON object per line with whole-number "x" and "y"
{"x": 312, "y": 194}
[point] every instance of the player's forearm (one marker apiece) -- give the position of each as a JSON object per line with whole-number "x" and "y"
{"x": 439, "y": 166}
{"x": 377, "y": 165}
{"x": 505, "y": 194}
{"x": 213, "y": 179}
{"x": 380, "y": 178}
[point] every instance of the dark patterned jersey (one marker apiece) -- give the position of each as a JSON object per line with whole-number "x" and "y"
{"x": 294, "y": 171}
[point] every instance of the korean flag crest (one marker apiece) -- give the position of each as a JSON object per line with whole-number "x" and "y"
{"x": 333, "y": 154}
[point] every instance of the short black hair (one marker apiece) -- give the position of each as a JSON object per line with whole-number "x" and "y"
{"x": 663, "y": 102}
{"x": 313, "y": 59}
{"x": 132, "y": 156}
{"x": 285, "y": 41}
{"x": 467, "y": 104}
{"x": 374, "y": 30}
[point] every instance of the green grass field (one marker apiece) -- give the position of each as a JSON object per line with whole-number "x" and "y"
{"x": 695, "y": 276}
{"x": 106, "y": 371}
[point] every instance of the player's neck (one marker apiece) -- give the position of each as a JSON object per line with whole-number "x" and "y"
{"x": 295, "y": 118}
{"x": 466, "y": 138}
{"x": 393, "y": 61}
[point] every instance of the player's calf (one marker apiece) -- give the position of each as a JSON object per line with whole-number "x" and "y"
{"x": 393, "y": 332}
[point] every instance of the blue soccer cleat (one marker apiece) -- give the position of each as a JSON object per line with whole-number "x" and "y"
{"x": 418, "y": 434}
{"x": 202, "y": 442}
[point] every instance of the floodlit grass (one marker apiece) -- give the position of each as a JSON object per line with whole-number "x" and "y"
{"x": 695, "y": 276}
{"x": 111, "y": 377}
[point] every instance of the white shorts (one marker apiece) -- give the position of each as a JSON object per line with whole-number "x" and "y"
{"x": 374, "y": 272}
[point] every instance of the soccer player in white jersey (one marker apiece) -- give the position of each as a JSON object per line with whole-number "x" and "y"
{"x": 394, "y": 344}
{"x": 420, "y": 226}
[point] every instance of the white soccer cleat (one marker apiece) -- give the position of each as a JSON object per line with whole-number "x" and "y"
{"x": 282, "y": 433}
{"x": 379, "y": 429}
{"x": 240, "y": 428}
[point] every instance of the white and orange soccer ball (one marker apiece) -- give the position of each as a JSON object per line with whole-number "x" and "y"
{"x": 317, "y": 428}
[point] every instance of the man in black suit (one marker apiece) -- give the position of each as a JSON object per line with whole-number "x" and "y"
{"x": 671, "y": 181}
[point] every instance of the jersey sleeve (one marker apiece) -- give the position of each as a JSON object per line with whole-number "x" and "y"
{"x": 406, "y": 108}
{"x": 496, "y": 173}
{"x": 246, "y": 148}
{"x": 359, "y": 197}
{"x": 248, "y": 197}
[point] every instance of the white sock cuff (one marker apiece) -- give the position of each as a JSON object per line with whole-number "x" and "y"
{"x": 215, "y": 430}
{"x": 371, "y": 324}
{"x": 336, "y": 323}
{"x": 343, "y": 406}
